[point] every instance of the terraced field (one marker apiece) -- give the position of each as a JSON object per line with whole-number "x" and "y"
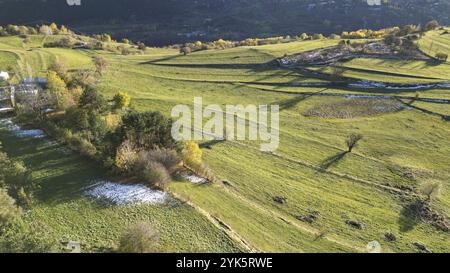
{"x": 374, "y": 185}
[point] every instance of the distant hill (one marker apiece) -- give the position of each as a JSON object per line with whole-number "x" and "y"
{"x": 172, "y": 21}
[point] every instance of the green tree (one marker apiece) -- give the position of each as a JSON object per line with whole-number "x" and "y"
{"x": 318, "y": 36}
{"x": 93, "y": 101}
{"x": 147, "y": 130}
{"x": 77, "y": 118}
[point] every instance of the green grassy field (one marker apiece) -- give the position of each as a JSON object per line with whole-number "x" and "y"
{"x": 62, "y": 204}
{"x": 403, "y": 148}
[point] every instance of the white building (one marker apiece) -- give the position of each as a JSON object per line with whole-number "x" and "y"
{"x": 4, "y": 76}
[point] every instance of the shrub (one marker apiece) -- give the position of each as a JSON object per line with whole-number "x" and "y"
{"x": 8, "y": 208}
{"x": 155, "y": 174}
{"x": 204, "y": 171}
{"x": 83, "y": 146}
{"x": 126, "y": 157}
{"x": 60, "y": 69}
{"x": 167, "y": 157}
{"x": 139, "y": 238}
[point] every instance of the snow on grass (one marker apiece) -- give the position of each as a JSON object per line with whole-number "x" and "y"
{"x": 194, "y": 179}
{"x": 9, "y": 125}
{"x": 121, "y": 194}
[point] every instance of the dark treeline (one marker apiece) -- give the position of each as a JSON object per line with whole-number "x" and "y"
{"x": 162, "y": 22}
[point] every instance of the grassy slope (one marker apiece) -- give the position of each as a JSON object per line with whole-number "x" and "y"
{"x": 62, "y": 204}
{"x": 394, "y": 145}
{"x": 436, "y": 42}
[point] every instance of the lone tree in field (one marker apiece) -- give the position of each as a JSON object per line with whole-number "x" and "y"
{"x": 430, "y": 189}
{"x": 185, "y": 50}
{"x": 100, "y": 65}
{"x": 139, "y": 238}
{"x": 352, "y": 141}
{"x": 142, "y": 46}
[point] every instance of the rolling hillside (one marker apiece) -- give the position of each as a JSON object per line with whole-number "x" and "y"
{"x": 336, "y": 201}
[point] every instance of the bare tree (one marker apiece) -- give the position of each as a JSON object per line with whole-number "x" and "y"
{"x": 100, "y": 65}
{"x": 352, "y": 141}
{"x": 430, "y": 189}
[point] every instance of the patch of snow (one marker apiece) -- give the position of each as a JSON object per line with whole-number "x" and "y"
{"x": 121, "y": 194}
{"x": 9, "y": 125}
{"x": 194, "y": 179}
{"x": 35, "y": 133}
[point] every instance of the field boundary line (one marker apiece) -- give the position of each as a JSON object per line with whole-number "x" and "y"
{"x": 216, "y": 222}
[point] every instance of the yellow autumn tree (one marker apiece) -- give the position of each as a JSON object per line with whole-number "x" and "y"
{"x": 58, "y": 89}
{"x": 192, "y": 154}
{"x": 54, "y": 27}
{"x": 121, "y": 100}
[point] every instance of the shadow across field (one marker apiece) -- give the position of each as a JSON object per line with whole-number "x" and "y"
{"x": 211, "y": 143}
{"x": 257, "y": 67}
{"x": 60, "y": 174}
{"x": 423, "y": 110}
{"x": 332, "y": 161}
{"x": 290, "y": 103}
{"x": 409, "y": 216}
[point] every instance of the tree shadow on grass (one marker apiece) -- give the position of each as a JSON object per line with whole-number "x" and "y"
{"x": 410, "y": 215}
{"x": 292, "y": 102}
{"x": 332, "y": 161}
{"x": 168, "y": 58}
{"x": 209, "y": 144}
{"x": 423, "y": 110}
